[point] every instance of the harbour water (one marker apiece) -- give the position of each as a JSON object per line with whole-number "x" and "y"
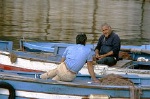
{"x": 61, "y": 20}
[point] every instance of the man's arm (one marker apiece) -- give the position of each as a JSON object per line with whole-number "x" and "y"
{"x": 107, "y": 54}
{"x": 91, "y": 71}
{"x": 97, "y": 53}
{"x": 104, "y": 55}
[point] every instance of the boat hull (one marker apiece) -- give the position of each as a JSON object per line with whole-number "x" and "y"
{"x": 82, "y": 86}
{"x": 24, "y": 63}
{"x": 35, "y": 63}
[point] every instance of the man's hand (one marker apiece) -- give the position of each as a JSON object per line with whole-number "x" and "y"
{"x": 99, "y": 56}
{"x": 96, "y": 81}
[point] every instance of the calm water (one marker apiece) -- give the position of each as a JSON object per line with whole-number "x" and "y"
{"x": 61, "y": 20}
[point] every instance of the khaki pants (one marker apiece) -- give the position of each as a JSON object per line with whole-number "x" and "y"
{"x": 60, "y": 73}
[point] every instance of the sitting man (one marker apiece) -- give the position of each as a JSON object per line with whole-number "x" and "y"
{"x": 108, "y": 46}
{"x": 73, "y": 59}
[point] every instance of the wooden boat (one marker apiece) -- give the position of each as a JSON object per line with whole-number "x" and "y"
{"x": 82, "y": 87}
{"x": 33, "y": 46}
{"x": 41, "y": 62}
{"x": 28, "y": 85}
{"x": 46, "y": 47}
{"x": 137, "y": 53}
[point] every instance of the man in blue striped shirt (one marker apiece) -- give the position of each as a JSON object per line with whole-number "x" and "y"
{"x": 73, "y": 59}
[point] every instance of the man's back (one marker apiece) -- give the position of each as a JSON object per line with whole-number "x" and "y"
{"x": 76, "y": 56}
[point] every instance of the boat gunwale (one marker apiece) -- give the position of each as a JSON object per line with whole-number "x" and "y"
{"x": 17, "y": 77}
{"x": 31, "y": 59}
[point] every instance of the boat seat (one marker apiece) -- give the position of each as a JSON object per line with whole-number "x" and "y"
{"x": 59, "y": 50}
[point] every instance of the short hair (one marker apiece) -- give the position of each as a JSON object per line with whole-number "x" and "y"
{"x": 105, "y": 24}
{"x": 81, "y": 38}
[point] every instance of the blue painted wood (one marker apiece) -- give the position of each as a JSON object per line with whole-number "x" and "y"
{"x": 39, "y": 56}
{"x": 58, "y": 48}
{"x": 69, "y": 90}
{"x": 138, "y": 47}
{"x": 79, "y": 86}
{"x": 6, "y": 45}
{"x": 2, "y": 96}
{"x": 33, "y": 46}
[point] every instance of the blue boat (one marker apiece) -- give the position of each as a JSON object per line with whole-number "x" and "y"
{"x": 52, "y": 47}
{"x": 25, "y": 85}
{"x": 22, "y": 84}
{"x": 46, "y": 47}
{"x": 28, "y": 60}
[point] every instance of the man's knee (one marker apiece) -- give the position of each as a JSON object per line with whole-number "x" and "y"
{"x": 102, "y": 61}
{"x": 110, "y": 61}
{"x": 57, "y": 78}
{"x": 44, "y": 76}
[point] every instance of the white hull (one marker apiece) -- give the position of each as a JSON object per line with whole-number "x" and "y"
{"x": 26, "y": 63}
{"x": 38, "y": 95}
{"x": 30, "y": 64}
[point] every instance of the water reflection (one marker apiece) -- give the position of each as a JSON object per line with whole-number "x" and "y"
{"x": 61, "y": 20}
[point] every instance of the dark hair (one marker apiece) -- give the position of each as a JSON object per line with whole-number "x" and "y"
{"x": 81, "y": 38}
